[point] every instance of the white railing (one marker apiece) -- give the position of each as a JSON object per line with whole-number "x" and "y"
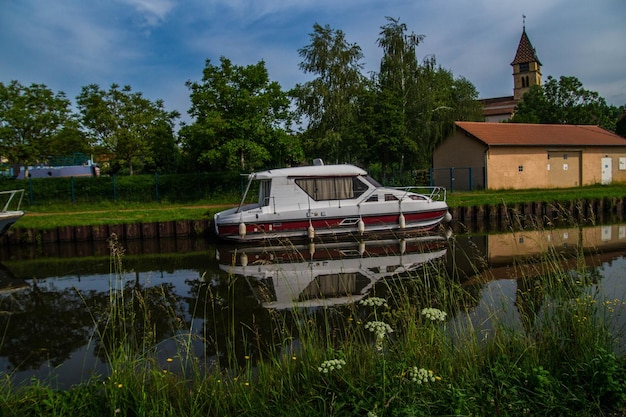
{"x": 11, "y": 195}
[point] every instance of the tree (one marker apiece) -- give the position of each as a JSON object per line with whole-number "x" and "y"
{"x": 565, "y": 101}
{"x": 328, "y": 103}
{"x": 32, "y": 121}
{"x": 241, "y": 119}
{"x": 122, "y": 122}
{"x": 417, "y": 104}
{"x": 620, "y": 125}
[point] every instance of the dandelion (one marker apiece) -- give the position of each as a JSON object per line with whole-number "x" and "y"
{"x": 120, "y": 385}
{"x": 374, "y": 302}
{"x": 170, "y": 360}
{"x": 421, "y": 375}
{"x": 331, "y": 365}
{"x": 294, "y": 358}
{"x": 434, "y": 314}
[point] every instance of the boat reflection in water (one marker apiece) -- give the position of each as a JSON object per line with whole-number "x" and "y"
{"x": 326, "y": 274}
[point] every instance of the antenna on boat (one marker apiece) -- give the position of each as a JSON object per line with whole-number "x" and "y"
{"x": 318, "y": 162}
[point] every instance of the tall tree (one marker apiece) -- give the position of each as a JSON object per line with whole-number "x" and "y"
{"x": 328, "y": 103}
{"x": 565, "y": 101}
{"x": 418, "y": 102}
{"x": 241, "y": 119}
{"x": 122, "y": 122}
{"x": 31, "y": 120}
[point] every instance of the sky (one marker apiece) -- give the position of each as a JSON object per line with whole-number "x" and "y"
{"x": 155, "y": 46}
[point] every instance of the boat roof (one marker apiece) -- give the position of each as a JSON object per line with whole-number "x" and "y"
{"x": 311, "y": 171}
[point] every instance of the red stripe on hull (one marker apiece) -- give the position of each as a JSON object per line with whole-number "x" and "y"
{"x": 261, "y": 230}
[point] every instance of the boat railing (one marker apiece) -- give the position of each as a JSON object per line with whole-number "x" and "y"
{"x": 435, "y": 193}
{"x": 10, "y": 195}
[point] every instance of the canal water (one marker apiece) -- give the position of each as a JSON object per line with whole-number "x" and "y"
{"x": 54, "y": 298}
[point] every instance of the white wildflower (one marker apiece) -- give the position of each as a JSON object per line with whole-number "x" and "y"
{"x": 331, "y": 365}
{"x": 374, "y": 302}
{"x": 434, "y": 314}
{"x": 421, "y": 375}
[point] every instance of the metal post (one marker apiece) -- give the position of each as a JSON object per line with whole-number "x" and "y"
{"x": 30, "y": 190}
{"x": 451, "y": 179}
{"x": 72, "y": 188}
{"x": 471, "y": 182}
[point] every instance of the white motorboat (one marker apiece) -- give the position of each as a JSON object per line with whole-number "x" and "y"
{"x": 313, "y": 275}
{"x": 7, "y": 215}
{"x": 321, "y": 200}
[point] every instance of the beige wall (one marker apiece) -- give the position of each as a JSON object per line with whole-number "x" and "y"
{"x": 503, "y": 167}
{"x": 592, "y": 164}
{"x": 583, "y": 166}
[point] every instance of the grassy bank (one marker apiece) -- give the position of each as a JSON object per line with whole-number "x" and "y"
{"x": 412, "y": 348}
{"x": 57, "y": 215}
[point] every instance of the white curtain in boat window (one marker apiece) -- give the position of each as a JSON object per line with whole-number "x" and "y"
{"x": 336, "y": 188}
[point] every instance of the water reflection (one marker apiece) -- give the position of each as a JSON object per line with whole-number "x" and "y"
{"x": 325, "y": 274}
{"x": 52, "y": 297}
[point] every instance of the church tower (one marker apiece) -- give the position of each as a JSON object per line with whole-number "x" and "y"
{"x": 526, "y": 67}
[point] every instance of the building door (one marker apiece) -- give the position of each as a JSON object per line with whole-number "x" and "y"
{"x": 607, "y": 170}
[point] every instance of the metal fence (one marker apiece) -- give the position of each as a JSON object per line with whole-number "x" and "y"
{"x": 458, "y": 178}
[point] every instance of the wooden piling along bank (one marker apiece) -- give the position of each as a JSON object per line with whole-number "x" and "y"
{"x": 130, "y": 231}
{"x": 528, "y": 215}
{"x": 473, "y": 218}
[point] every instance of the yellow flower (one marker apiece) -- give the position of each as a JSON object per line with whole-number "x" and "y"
{"x": 120, "y": 385}
{"x": 170, "y": 360}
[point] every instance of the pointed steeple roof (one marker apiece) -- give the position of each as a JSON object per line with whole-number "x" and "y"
{"x": 525, "y": 51}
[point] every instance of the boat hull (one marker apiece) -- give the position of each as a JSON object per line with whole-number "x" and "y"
{"x": 311, "y": 227}
{"x": 7, "y": 219}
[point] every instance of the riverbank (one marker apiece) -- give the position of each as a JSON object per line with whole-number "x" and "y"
{"x": 196, "y": 221}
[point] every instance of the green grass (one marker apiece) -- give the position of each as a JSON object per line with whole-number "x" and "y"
{"x": 559, "y": 361}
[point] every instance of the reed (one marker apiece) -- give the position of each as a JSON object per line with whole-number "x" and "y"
{"x": 413, "y": 347}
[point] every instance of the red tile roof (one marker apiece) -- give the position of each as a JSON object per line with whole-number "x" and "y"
{"x": 522, "y": 134}
{"x": 525, "y": 51}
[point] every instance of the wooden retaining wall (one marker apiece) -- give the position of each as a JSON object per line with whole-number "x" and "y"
{"x": 156, "y": 230}
{"x": 526, "y": 215}
{"x": 474, "y": 218}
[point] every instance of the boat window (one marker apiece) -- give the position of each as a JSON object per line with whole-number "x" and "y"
{"x": 372, "y": 198}
{"x": 265, "y": 186}
{"x": 390, "y": 197}
{"x": 373, "y": 181}
{"x": 333, "y": 188}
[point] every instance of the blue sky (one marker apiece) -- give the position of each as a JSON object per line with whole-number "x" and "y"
{"x": 155, "y": 46}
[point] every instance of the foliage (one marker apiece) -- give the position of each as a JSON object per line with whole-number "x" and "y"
{"x": 413, "y": 106}
{"x": 35, "y": 123}
{"x": 565, "y": 101}
{"x": 328, "y": 103}
{"x": 125, "y": 124}
{"x": 241, "y": 119}
{"x": 620, "y": 125}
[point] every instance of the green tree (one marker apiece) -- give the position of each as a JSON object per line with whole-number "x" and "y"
{"x": 416, "y": 104}
{"x": 565, "y": 101}
{"x": 122, "y": 121}
{"x": 620, "y": 125}
{"x": 241, "y": 119}
{"x": 33, "y": 121}
{"x": 328, "y": 103}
